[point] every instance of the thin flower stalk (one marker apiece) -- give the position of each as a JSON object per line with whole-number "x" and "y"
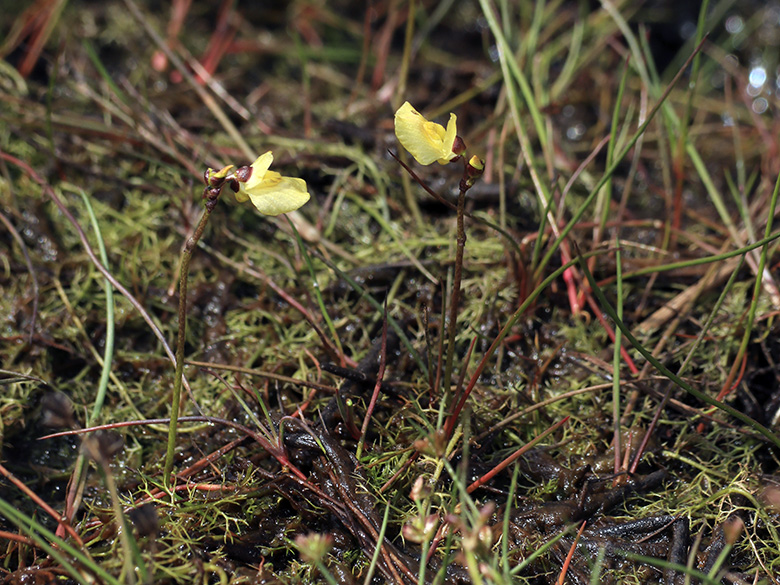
{"x": 271, "y": 194}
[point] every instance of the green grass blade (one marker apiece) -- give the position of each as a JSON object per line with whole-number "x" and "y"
{"x": 316, "y": 287}
{"x": 609, "y": 172}
{"x": 55, "y": 546}
{"x": 108, "y": 353}
{"x": 607, "y": 307}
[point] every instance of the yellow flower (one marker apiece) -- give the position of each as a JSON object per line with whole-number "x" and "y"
{"x": 426, "y": 141}
{"x": 270, "y": 192}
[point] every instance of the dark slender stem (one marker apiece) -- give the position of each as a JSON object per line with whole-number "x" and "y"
{"x": 377, "y": 386}
{"x": 186, "y": 256}
{"x": 455, "y": 297}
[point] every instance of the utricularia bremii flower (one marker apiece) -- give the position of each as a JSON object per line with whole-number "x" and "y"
{"x": 427, "y": 141}
{"x": 269, "y": 192}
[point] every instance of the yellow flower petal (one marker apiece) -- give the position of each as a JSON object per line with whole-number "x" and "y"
{"x": 259, "y": 168}
{"x": 449, "y": 140}
{"x": 270, "y": 192}
{"x": 278, "y": 194}
{"x": 426, "y": 141}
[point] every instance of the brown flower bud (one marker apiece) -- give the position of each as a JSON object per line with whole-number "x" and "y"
{"x": 57, "y": 411}
{"x": 103, "y": 445}
{"x": 145, "y": 519}
{"x": 458, "y": 147}
{"x": 243, "y": 174}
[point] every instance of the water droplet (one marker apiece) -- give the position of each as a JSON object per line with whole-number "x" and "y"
{"x": 575, "y": 132}
{"x": 760, "y": 105}
{"x": 734, "y": 24}
{"x": 757, "y": 76}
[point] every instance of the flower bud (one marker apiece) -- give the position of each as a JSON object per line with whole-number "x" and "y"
{"x": 213, "y": 178}
{"x": 145, "y": 520}
{"x": 103, "y": 445}
{"x": 57, "y": 411}
{"x": 458, "y": 147}
{"x": 420, "y": 489}
{"x": 472, "y": 171}
{"x": 419, "y": 528}
{"x": 475, "y": 166}
{"x": 243, "y": 174}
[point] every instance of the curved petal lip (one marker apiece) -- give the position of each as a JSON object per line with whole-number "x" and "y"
{"x": 287, "y": 195}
